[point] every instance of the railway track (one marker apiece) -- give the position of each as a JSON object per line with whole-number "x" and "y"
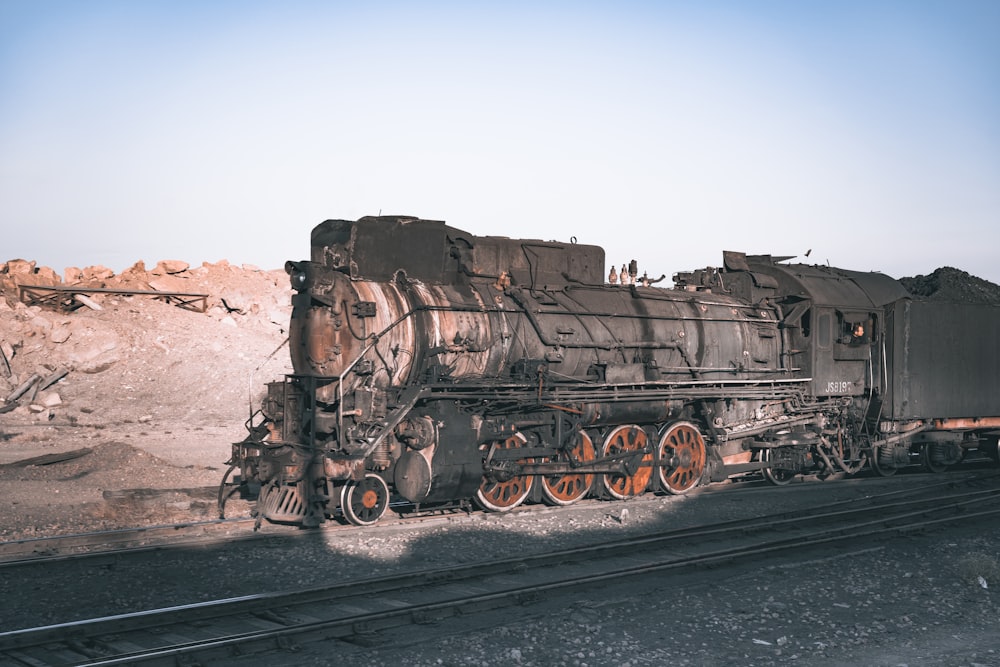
{"x": 352, "y": 610}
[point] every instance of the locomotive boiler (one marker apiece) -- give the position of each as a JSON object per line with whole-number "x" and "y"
{"x": 439, "y": 367}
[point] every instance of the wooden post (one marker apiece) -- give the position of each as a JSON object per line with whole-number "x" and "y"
{"x": 24, "y": 387}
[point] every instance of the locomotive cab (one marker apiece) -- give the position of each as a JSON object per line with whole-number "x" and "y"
{"x": 833, "y": 319}
{"x": 833, "y": 332}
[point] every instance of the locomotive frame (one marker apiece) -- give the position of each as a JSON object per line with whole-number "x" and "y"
{"x": 443, "y": 367}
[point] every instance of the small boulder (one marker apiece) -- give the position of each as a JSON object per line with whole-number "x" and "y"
{"x": 49, "y": 399}
{"x": 60, "y": 333}
{"x": 97, "y": 273}
{"x": 19, "y": 267}
{"x": 93, "y": 348}
{"x": 46, "y": 276}
{"x": 134, "y": 277}
{"x": 40, "y": 324}
{"x": 170, "y": 267}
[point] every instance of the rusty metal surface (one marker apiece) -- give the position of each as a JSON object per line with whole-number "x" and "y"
{"x": 471, "y": 326}
{"x": 377, "y": 248}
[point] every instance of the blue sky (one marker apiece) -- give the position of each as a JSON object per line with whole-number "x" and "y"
{"x": 667, "y": 132}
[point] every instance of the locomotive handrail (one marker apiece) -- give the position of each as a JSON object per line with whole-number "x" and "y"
{"x": 546, "y": 340}
{"x": 661, "y": 318}
{"x": 620, "y": 345}
{"x": 656, "y": 293}
{"x": 641, "y": 345}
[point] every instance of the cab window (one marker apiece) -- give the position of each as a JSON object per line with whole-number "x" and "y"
{"x": 823, "y": 325}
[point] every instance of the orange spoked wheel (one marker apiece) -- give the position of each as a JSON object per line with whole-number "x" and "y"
{"x": 364, "y": 502}
{"x": 499, "y": 492}
{"x": 570, "y": 487}
{"x": 624, "y": 440}
{"x": 682, "y": 457}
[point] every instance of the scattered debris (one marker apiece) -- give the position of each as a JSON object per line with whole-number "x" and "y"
{"x": 128, "y": 355}
{"x": 6, "y": 352}
{"x": 36, "y": 384}
{"x": 85, "y": 300}
{"x": 49, "y": 459}
{"x": 50, "y": 380}
{"x": 207, "y": 492}
{"x": 23, "y": 388}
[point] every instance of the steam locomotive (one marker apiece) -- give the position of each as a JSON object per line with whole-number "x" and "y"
{"x": 445, "y": 368}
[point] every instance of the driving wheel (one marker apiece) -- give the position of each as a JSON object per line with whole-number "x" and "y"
{"x": 682, "y": 457}
{"x": 629, "y": 440}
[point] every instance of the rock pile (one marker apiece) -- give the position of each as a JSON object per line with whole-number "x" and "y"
{"x": 129, "y": 356}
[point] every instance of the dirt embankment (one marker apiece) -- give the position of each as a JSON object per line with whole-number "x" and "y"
{"x": 153, "y": 392}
